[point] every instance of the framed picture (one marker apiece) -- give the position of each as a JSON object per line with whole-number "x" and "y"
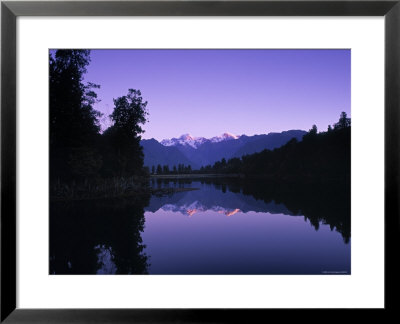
{"x": 214, "y": 168}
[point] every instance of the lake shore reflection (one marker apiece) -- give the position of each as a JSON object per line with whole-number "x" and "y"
{"x": 227, "y": 226}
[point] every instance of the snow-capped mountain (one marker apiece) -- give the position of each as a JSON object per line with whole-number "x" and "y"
{"x": 195, "y": 142}
{"x": 185, "y": 139}
{"x": 223, "y": 137}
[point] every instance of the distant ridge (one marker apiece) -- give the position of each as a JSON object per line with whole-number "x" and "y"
{"x": 200, "y": 151}
{"x": 156, "y": 153}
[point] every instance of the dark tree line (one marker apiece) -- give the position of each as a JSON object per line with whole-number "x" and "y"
{"x": 324, "y": 155}
{"x": 78, "y": 150}
{"x": 181, "y": 169}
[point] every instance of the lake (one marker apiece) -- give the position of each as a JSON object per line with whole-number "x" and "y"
{"x": 226, "y": 226}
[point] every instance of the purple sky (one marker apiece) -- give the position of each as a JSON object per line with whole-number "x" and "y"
{"x": 209, "y": 92}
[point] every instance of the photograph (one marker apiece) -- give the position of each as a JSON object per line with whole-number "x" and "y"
{"x": 199, "y": 161}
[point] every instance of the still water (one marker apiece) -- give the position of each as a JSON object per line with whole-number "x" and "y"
{"x": 223, "y": 227}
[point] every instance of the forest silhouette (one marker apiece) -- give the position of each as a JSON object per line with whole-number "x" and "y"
{"x": 79, "y": 152}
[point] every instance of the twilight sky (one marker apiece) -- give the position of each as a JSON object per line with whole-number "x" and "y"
{"x": 209, "y": 92}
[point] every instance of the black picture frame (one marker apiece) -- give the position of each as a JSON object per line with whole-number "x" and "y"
{"x": 10, "y": 10}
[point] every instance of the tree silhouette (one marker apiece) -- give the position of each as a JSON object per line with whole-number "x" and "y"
{"x": 74, "y": 125}
{"x": 73, "y": 120}
{"x": 165, "y": 169}
{"x": 313, "y": 130}
{"x": 343, "y": 122}
{"x": 130, "y": 113}
{"x": 123, "y": 137}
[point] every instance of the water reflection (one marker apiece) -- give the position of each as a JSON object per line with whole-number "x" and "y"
{"x": 318, "y": 203}
{"x": 97, "y": 237}
{"x": 232, "y": 226}
{"x": 227, "y": 226}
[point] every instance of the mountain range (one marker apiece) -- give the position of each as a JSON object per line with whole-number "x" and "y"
{"x": 200, "y": 151}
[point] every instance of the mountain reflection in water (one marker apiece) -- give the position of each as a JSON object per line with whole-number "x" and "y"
{"x": 227, "y": 226}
